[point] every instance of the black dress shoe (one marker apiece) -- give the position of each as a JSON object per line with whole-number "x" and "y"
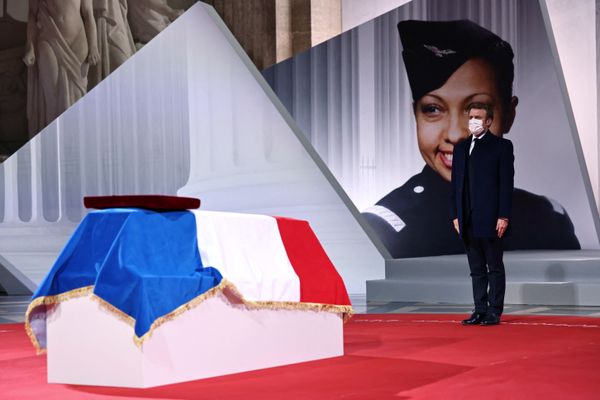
{"x": 474, "y": 319}
{"x": 491, "y": 319}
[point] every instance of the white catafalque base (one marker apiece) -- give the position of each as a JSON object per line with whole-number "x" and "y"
{"x": 88, "y": 345}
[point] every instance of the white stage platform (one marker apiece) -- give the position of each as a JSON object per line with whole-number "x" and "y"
{"x": 88, "y": 345}
{"x": 548, "y": 277}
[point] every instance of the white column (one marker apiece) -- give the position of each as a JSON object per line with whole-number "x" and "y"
{"x": 36, "y": 182}
{"x": 574, "y": 29}
{"x": 11, "y": 194}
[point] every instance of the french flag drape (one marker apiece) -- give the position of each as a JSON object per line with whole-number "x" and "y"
{"x": 269, "y": 258}
{"x": 150, "y": 266}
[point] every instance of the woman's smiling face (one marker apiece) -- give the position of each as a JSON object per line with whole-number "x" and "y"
{"x": 441, "y": 114}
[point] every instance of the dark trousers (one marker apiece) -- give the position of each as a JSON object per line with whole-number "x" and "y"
{"x": 487, "y": 269}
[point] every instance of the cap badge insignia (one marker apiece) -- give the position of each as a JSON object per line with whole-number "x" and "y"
{"x": 439, "y": 52}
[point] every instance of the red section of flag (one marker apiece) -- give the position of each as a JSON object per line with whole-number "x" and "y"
{"x": 319, "y": 280}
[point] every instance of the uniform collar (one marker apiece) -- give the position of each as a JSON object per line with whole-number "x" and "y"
{"x": 431, "y": 179}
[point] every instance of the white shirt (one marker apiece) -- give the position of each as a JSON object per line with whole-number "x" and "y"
{"x": 474, "y": 139}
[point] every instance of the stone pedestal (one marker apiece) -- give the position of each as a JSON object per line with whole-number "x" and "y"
{"x": 88, "y": 345}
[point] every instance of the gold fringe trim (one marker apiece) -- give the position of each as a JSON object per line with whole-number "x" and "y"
{"x": 49, "y": 300}
{"x": 139, "y": 341}
{"x": 347, "y": 311}
{"x": 233, "y": 294}
{"x": 228, "y": 289}
{"x": 113, "y": 310}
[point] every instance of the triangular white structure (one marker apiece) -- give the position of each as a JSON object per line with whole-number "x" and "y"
{"x": 188, "y": 114}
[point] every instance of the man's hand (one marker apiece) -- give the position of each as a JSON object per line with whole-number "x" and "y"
{"x": 501, "y": 226}
{"x": 456, "y": 228}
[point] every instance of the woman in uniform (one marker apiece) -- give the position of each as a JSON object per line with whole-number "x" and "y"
{"x": 450, "y": 65}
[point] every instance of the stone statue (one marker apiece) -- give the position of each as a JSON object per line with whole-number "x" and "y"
{"x": 148, "y": 18}
{"x": 115, "y": 42}
{"x": 13, "y": 84}
{"x": 61, "y": 44}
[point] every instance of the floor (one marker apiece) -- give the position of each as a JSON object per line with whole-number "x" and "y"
{"x": 386, "y": 356}
{"x": 12, "y": 308}
{"x": 360, "y": 305}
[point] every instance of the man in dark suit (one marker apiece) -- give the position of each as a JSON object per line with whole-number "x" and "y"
{"x": 481, "y": 203}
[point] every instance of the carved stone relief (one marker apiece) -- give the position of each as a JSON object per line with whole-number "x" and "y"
{"x": 148, "y": 18}
{"x": 13, "y": 95}
{"x": 58, "y": 50}
{"x": 115, "y": 42}
{"x": 61, "y": 44}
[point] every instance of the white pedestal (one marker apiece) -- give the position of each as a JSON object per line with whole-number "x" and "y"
{"x": 87, "y": 345}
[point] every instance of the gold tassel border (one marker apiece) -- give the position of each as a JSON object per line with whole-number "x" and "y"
{"x": 230, "y": 291}
{"x": 227, "y": 288}
{"x": 50, "y": 300}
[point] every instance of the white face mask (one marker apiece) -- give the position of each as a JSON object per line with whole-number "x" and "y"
{"x": 475, "y": 126}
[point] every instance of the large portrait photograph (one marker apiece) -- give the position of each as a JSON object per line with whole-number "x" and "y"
{"x": 386, "y": 103}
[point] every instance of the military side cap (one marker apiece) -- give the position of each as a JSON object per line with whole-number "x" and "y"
{"x": 434, "y": 50}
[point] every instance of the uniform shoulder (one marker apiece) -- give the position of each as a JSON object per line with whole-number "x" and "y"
{"x": 506, "y": 142}
{"x": 542, "y": 222}
{"x": 412, "y": 198}
{"x": 399, "y": 198}
{"x": 543, "y": 206}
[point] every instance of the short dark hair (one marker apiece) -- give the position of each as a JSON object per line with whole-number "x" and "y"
{"x": 489, "y": 110}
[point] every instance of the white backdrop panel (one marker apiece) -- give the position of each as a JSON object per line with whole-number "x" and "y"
{"x": 188, "y": 114}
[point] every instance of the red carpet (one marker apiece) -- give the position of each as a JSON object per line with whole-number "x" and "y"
{"x": 387, "y": 357}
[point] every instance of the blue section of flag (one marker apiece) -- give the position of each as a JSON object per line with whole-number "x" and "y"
{"x": 142, "y": 262}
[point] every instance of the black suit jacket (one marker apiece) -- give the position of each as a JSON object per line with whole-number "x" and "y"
{"x": 492, "y": 175}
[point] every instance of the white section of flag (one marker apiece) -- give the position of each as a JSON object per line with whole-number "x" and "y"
{"x": 248, "y": 251}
